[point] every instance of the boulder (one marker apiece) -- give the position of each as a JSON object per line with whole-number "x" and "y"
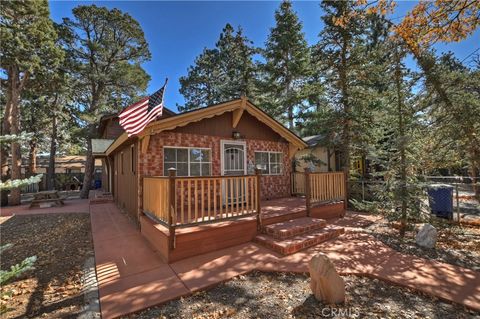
{"x": 426, "y": 236}
{"x": 326, "y": 284}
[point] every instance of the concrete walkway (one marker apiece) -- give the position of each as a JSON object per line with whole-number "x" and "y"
{"x": 132, "y": 276}
{"x": 71, "y": 206}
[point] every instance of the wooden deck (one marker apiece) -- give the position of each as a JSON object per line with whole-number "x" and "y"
{"x": 199, "y": 238}
{"x": 280, "y": 209}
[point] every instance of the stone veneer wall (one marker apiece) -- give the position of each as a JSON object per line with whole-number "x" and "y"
{"x": 272, "y": 186}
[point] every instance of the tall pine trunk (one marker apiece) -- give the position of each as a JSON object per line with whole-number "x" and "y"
{"x": 89, "y": 164}
{"x": 32, "y": 158}
{"x": 347, "y": 123}
{"x": 401, "y": 144}
{"x": 53, "y": 150}
{"x": 13, "y": 97}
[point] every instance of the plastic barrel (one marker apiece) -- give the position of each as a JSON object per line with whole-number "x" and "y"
{"x": 440, "y": 199}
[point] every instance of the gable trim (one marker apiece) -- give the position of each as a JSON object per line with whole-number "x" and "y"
{"x": 239, "y": 106}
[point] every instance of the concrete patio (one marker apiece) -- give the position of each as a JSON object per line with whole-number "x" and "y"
{"x": 132, "y": 277}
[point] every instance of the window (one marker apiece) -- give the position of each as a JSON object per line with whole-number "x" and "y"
{"x": 269, "y": 162}
{"x": 188, "y": 161}
{"x": 132, "y": 155}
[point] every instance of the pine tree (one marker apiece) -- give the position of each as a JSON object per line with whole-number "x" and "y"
{"x": 220, "y": 74}
{"x": 286, "y": 67}
{"x": 28, "y": 46}
{"x": 105, "y": 49}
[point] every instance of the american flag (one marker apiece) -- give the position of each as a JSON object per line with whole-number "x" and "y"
{"x": 135, "y": 117}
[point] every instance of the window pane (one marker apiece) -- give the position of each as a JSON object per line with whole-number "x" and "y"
{"x": 206, "y": 156}
{"x": 169, "y": 155}
{"x": 258, "y": 158}
{"x": 194, "y": 169}
{"x": 261, "y": 161}
{"x": 206, "y": 170}
{"x": 195, "y": 155}
{"x": 273, "y": 157}
{"x": 182, "y": 169}
{"x": 275, "y": 169}
{"x": 182, "y": 155}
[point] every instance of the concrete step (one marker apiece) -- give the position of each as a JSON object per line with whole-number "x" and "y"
{"x": 293, "y": 227}
{"x": 292, "y": 245}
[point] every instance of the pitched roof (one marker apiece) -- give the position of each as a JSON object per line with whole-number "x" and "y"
{"x": 237, "y": 106}
{"x": 100, "y": 145}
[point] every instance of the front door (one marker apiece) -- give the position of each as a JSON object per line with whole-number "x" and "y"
{"x": 234, "y": 163}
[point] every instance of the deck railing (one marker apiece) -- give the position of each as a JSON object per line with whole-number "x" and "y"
{"x": 298, "y": 183}
{"x": 203, "y": 199}
{"x": 179, "y": 201}
{"x": 156, "y": 198}
{"x": 326, "y": 186}
{"x": 319, "y": 187}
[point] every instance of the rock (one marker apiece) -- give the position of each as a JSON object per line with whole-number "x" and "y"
{"x": 426, "y": 236}
{"x": 326, "y": 284}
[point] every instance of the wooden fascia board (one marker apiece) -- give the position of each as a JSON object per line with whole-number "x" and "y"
{"x": 119, "y": 141}
{"x": 145, "y": 142}
{"x": 187, "y": 118}
{"x": 277, "y": 127}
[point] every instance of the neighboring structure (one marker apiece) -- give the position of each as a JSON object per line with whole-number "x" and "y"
{"x": 63, "y": 164}
{"x": 317, "y": 156}
{"x": 219, "y": 167}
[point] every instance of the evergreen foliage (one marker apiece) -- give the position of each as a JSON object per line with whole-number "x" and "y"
{"x": 105, "y": 49}
{"x": 286, "y": 68}
{"x": 223, "y": 73}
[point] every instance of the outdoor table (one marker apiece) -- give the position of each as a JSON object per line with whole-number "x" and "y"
{"x": 46, "y": 199}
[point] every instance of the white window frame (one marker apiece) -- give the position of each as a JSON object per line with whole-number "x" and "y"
{"x": 188, "y": 157}
{"x": 268, "y": 165}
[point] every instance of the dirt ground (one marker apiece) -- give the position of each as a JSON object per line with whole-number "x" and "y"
{"x": 456, "y": 245}
{"x": 270, "y": 295}
{"x": 62, "y": 244}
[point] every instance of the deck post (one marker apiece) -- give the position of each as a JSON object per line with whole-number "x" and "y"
{"x": 307, "y": 190}
{"x": 258, "y": 174}
{"x": 172, "y": 173}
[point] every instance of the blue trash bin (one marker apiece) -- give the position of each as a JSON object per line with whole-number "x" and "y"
{"x": 440, "y": 199}
{"x": 98, "y": 184}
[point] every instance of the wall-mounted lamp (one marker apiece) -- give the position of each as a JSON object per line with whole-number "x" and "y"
{"x": 236, "y": 135}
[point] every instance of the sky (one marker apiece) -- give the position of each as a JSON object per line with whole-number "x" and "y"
{"x": 177, "y": 31}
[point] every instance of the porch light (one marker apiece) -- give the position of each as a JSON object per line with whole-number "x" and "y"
{"x": 237, "y": 135}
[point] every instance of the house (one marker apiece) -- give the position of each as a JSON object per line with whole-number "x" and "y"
{"x": 215, "y": 177}
{"x": 317, "y": 156}
{"x": 67, "y": 164}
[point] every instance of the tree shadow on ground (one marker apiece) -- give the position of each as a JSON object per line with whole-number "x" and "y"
{"x": 62, "y": 244}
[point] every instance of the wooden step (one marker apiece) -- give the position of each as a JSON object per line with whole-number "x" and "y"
{"x": 294, "y": 227}
{"x": 299, "y": 242}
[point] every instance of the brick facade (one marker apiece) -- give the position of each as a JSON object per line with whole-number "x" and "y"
{"x": 150, "y": 163}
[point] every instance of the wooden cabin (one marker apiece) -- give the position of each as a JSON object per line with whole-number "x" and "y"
{"x": 215, "y": 177}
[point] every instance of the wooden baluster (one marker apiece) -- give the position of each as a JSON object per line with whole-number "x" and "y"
{"x": 237, "y": 190}
{"x": 195, "y": 195}
{"x": 172, "y": 216}
{"x": 307, "y": 190}
{"x": 215, "y": 212}
{"x": 202, "y": 204}
{"x": 208, "y": 198}
{"x": 189, "y": 201}
{"x": 231, "y": 196}
{"x": 258, "y": 194}
{"x": 182, "y": 201}
{"x": 220, "y": 197}
{"x": 247, "y": 189}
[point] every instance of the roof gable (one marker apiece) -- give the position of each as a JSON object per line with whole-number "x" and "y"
{"x": 237, "y": 107}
